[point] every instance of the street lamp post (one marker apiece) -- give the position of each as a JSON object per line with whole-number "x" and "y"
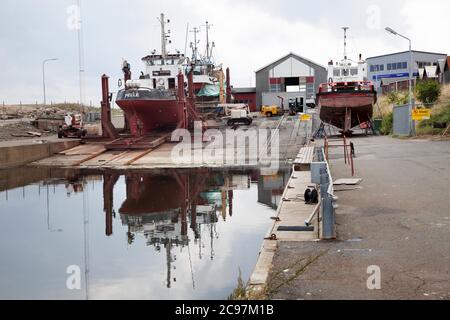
{"x": 411, "y": 70}
{"x": 43, "y": 76}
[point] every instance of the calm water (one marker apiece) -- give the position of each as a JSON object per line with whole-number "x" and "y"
{"x": 166, "y": 235}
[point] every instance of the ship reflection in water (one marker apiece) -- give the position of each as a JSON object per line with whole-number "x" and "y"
{"x": 169, "y": 235}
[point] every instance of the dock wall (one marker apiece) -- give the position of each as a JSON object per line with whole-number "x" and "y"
{"x": 20, "y": 154}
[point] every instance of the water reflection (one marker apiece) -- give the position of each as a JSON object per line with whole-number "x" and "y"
{"x": 189, "y": 219}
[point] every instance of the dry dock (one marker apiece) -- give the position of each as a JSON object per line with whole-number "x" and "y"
{"x": 293, "y": 134}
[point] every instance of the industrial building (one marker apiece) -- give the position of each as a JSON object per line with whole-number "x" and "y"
{"x": 291, "y": 77}
{"x": 246, "y": 96}
{"x": 391, "y": 71}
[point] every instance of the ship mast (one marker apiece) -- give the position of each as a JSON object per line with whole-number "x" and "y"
{"x": 194, "y": 45}
{"x": 164, "y": 36}
{"x": 345, "y": 42}
{"x": 208, "y": 54}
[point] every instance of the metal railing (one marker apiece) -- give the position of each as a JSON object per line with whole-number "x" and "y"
{"x": 321, "y": 175}
{"x": 346, "y": 86}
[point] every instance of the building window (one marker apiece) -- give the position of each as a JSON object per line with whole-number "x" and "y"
{"x": 389, "y": 66}
{"x": 399, "y": 65}
{"x": 372, "y": 68}
{"x": 405, "y": 65}
{"x": 382, "y": 67}
{"x": 275, "y": 88}
{"x": 275, "y": 84}
{"x": 394, "y": 66}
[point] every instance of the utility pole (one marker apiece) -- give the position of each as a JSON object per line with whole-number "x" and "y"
{"x": 43, "y": 76}
{"x": 410, "y": 71}
{"x": 80, "y": 55}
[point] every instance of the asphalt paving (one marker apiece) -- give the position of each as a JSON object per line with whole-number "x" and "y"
{"x": 397, "y": 220}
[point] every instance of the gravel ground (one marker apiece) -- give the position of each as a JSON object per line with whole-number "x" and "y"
{"x": 9, "y": 129}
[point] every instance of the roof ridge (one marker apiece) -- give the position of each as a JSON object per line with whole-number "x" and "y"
{"x": 291, "y": 54}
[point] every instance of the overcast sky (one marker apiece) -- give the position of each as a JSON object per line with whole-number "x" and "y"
{"x": 248, "y": 35}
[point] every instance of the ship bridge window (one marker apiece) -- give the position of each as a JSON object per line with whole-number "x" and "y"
{"x": 197, "y": 71}
{"x": 337, "y": 72}
{"x": 345, "y": 72}
{"x": 354, "y": 71}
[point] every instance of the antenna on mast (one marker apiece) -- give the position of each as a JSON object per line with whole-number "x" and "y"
{"x": 208, "y": 52}
{"x": 194, "y": 45}
{"x": 185, "y": 44}
{"x": 164, "y": 36}
{"x": 345, "y": 42}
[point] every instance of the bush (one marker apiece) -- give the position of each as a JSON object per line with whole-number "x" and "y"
{"x": 387, "y": 124}
{"x": 428, "y": 131}
{"x": 428, "y": 91}
{"x": 398, "y": 98}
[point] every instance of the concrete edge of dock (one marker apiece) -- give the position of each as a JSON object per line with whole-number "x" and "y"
{"x": 19, "y": 153}
{"x": 291, "y": 210}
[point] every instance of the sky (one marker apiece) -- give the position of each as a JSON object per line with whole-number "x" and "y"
{"x": 248, "y": 35}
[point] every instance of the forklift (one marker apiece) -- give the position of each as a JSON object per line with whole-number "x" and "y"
{"x": 296, "y": 105}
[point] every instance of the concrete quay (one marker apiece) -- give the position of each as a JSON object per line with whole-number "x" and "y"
{"x": 397, "y": 220}
{"x": 22, "y": 152}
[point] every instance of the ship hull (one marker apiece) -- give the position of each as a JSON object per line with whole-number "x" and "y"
{"x": 152, "y": 195}
{"x": 346, "y": 110}
{"x": 150, "y": 110}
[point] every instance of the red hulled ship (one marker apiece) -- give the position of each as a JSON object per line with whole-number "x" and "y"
{"x": 347, "y": 100}
{"x": 161, "y": 99}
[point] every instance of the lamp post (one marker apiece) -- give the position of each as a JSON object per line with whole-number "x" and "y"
{"x": 43, "y": 76}
{"x": 392, "y": 31}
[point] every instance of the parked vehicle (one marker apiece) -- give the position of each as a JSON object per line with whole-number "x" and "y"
{"x": 271, "y": 111}
{"x": 240, "y": 116}
{"x": 73, "y": 127}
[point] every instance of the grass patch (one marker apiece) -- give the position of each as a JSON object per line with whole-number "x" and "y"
{"x": 429, "y": 131}
{"x": 239, "y": 293}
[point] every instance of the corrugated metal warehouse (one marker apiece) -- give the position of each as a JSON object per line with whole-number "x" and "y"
{"x": 290, "y": 77}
